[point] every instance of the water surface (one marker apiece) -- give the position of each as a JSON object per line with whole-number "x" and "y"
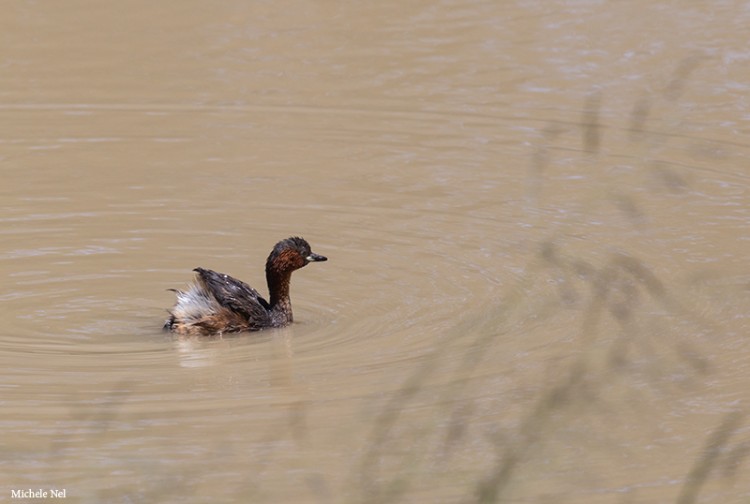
{"x": 536, "y": 216}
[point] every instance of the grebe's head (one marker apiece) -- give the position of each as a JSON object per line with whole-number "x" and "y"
{"x": 291, "y": 254}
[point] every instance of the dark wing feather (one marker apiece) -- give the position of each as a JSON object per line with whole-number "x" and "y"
{"x": 236, "y": 296}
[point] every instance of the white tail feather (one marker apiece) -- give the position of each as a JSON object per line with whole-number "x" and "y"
{"x": 194, "y": 304}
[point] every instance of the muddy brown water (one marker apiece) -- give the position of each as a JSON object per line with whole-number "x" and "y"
{"x": 536, "y": 216}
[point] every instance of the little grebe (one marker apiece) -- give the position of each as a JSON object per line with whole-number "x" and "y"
{"x": 216, "y": 303}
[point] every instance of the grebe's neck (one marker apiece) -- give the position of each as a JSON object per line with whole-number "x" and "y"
{"x": 278, "y": 290}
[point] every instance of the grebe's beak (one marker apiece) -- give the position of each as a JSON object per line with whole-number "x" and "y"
{"x": 313, "y": 257}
